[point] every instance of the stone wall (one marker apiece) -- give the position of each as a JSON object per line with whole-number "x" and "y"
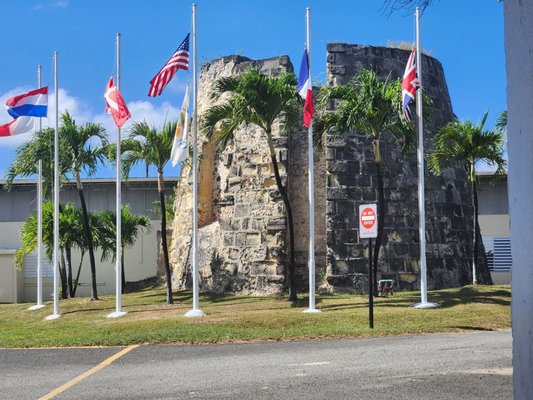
{"x": 351, "y": 182}
{"x": 299, "y": 198}
{"x": 242, "y": 216}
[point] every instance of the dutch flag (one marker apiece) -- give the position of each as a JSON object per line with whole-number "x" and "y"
{"x": 306, "y": 89}
{"x": 22, "y": 108}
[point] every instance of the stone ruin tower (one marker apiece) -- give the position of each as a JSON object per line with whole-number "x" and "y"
{"x": 242, "y": 236}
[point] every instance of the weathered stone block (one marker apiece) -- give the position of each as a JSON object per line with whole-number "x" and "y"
{"x": 241, "y": 210}
{"x": 338, "y": 167}
{"x": 240, "y": 239}
{"x": 233, "y": 253}
{"x": 337, "y": 193}
{"x": 230, "y": 225}
{"x": 229, "y": 239}
{"x": 253, "y": 239}
{"x": 336, "y": 141}
{"x": 336, "y": 47}
{"x": 337, "y": 69}
{"x": 265, "y": 169}
{"x": 331, "y": 207}
{"x": 227, "y": 158}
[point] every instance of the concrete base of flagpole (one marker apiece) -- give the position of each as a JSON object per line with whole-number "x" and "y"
{"x": 312, "y": 311}
{"x": 117, "y": 314}
{"x": 52, "y": 317}
{"x": 427, "y": 304}
{"x": 194, "y": 313}
{"x": 36, "y": 307}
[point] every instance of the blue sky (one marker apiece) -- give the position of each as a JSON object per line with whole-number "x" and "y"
{"x": 465, "y": 36}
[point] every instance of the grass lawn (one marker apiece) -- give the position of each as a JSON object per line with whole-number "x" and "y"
{"x": 245, "y": 318}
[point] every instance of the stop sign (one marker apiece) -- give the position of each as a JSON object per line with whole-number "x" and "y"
{"x": 368, "y": 221}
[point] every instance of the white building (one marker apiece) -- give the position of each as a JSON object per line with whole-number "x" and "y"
{"x": 141, "y": 261}
{"x": 494, "y": 225}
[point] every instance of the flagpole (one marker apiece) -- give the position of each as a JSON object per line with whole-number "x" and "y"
{"x": 311, "y": 175}
{"x": 420, "y": 158}
{"x": 40, "y": 213}
{"x": 56, "y": 315}
{"x": 118, "y": 185}
{"x": 196, "y": 311}
{"x": 39, "y": 285}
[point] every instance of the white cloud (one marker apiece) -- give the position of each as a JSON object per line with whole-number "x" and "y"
{"x": 51, "y": 4}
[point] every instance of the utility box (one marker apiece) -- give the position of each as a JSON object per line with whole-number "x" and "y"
{"x": 11, "y": 280}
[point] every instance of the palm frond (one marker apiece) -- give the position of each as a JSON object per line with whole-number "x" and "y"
{"x": 465, "y": 143}
{"x": 501, "y": 121}
{"x": 254, "y": 99}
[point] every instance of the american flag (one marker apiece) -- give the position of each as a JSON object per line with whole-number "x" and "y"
{"x": 179, "y": 60}
{"x": 410, "y": 84}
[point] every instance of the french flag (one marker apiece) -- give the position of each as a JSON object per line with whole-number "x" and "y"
{"x": 22, "y": 108}
{"x": 306, "y": 89}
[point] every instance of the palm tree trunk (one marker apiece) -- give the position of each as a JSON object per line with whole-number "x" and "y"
{"x": 68, "y": 263}
{"x": 122, "y": 267}
{"x": 89, "y": 238}
{"x": 291, "y": 270}
{"x": 474, "y": 231}
{"x": 63, "y": 276}
{"x": 381, "y": 222}
{"x": 77, "y": 276}
{"x": 161, "y": 187}
{"x": 482, "y": 272}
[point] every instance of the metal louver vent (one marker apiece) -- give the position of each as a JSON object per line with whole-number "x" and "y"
{"x": 498, "y": 250}
{"x": 30, "y": 267}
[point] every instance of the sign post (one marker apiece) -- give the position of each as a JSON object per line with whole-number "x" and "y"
{"x": 368, "y": 229}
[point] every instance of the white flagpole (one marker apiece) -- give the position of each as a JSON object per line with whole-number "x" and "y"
{"x": 118, "y": 258}
{"x": 311, "y": 174}
{"x": 56, "y": 315}
{"x": 420, "y": 157}
{"x": 39, "y": 219}
{"x": 196, "y": 311}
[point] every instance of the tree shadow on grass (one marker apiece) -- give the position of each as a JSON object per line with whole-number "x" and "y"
{"x": 86, "y": 310}
{"x": 471, "y": 294}
{"x": 444, "y": 298}
{"x": 474, "y": 328}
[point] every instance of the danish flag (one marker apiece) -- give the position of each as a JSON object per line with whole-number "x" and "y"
{"x": 410, "y": 85}
{"x": 115, "y": 104}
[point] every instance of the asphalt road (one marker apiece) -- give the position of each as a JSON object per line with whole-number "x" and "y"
{"x": 445, "y": 366}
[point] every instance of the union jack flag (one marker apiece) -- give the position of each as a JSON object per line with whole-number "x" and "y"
{"x": 410, "y": 84}
{"x": 179, "y": 60}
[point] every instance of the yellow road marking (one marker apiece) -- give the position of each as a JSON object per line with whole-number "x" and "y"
{"x": 88, "y": 373}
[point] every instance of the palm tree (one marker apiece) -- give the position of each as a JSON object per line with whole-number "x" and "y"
{"x": 70, "y": 236}
{"x": 465, "y": 144}
{"x": 131, "y": 226}
{"x": 259, "y": 100}
{"x": 40, "y": 147}
{"x": 147, "y": 144}
{"x": 82, "y": 155}
{"x": 373, "y": 106}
